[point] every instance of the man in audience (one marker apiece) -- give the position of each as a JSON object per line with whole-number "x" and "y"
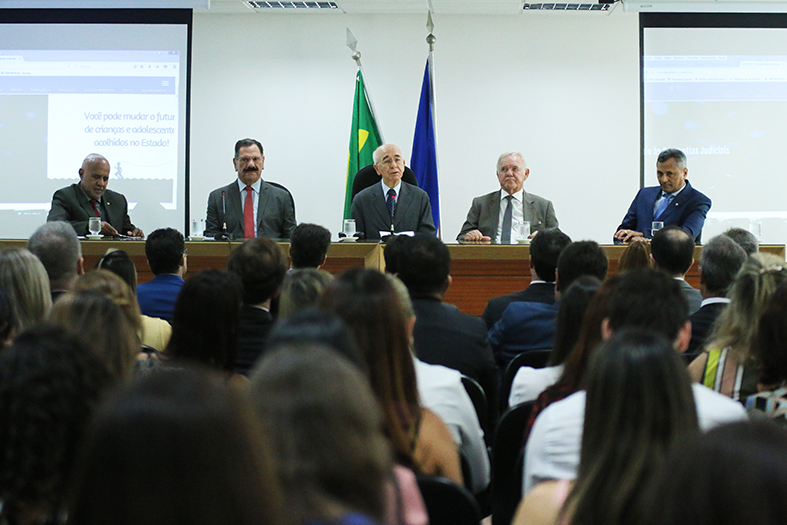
{"x": 442, "y": 334}
{"x": 90, "y": 198}
{"x": 673, "y": 201}
{"x": 56, "y": 245}
{"x": 497, "y": 215}
{"x": 309, "y": 246}
{"x": 528, "y": 326}
{"x": 720, "y": 260}
{"x": 745, "y": 239}
{"x": 672, "y": 251}
{"x": 166, "y": 253}
{"x": 392, "y": 205}
{"x": 544, "y": 252}
{"x": 643, "y": 299}
{"x": 261, "y": 266}
{"x": 250, "y": 206}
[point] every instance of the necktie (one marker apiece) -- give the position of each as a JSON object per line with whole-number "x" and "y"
{"x": 505, "y": 235}
{"x": 663, "y": 204}
{"x": 95, "y": 208}
{"x": 248, "y": 214}
{"x": 391, "y": 203}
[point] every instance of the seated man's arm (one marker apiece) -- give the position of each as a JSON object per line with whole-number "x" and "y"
{"x": 288, "y": 211}
{"x": 128, "y": 228}
{"x": 470, "y": 231}
{"x": 61, "y": 211}
{"x": 356, "y": 212}
{"x": 425, "y": 220}
{"x": 626, "y": 231}
{"x": 696, "y": 219}
{"x": 212, "y": 224}
{"x": 551, "y": 220}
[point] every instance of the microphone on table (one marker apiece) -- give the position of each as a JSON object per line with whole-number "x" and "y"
{"x": 223, "y": 235}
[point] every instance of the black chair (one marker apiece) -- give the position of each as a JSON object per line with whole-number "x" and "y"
{"x": 508, "y": 461}
{"x": 533, "y": 359}
{"x": 478, "y": 397}
{"x": 447, "y": 503}
{"x": 367, "y": 176}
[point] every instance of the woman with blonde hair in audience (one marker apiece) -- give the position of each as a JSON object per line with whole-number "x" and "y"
{"x": 370, "y": 306}
{"x": 636, "y": 255}
{"x": 27, "y": 285}
{"x": 730, "y": 364}
{"x": 301, "y": 289}
{"x": 639, "y": 404}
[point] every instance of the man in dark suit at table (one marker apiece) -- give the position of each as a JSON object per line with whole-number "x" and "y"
{"x": 544, "y": 253}
{"x": 90, "y": 197}
{"x": 392, "y": 205}
{"x": 673, "y": 201}
{"x": 497, "y": 215}
{"x": 250, "y": 207}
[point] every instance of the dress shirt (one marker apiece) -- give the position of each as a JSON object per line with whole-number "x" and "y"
{"x": 395, "y": 188}
{"x": 714, "y": 300}
{"x": 517, "y": 214}
{"x": 255, "y": 198}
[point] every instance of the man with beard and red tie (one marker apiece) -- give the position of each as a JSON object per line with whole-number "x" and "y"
{"x": 250, "y": 207}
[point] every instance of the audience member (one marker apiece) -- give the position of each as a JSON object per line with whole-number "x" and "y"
{"x": 545, "y": 249}
{"x": 745, "y": 239}
{"x": 6, "y": 319}
{"x": 309, "y": 246}
{"x": 720, "y": 261}
{"x": 302, "y": 289}
{"x": 165, "y": 250}
{"x": 261, "y": 266}
{"x": 57, "y": 246}
{"x": 391, "y": 253}
{"x": 770, "y": 347}
{"x": 27, "y": 285}
{"x": 729, "y": 364}
{"x": 177, "y": 446}
{"x": 672, "y": 251}
{"x": 635, "y": 255}
{"x": 50, "y": 384}
{"x": 638, "y": 406}
{"x": 119, "y": 263}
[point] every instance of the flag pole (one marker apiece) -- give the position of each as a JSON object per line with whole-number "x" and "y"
{"x": 352, "y": 43}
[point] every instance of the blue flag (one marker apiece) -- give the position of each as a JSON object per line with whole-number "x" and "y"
{"x": 424, "y": 157}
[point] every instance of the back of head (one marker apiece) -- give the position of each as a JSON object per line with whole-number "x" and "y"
{"x": 638, "y": 390}
{"x": 770, "y": 345}
{"x": 7, "y": 321}
{"x": 25, "y": 281}
{"x": 635, "y": 255}
{"x": 205, "y": 320}
{"x": 49, "y": 386}
{"x": 424, "y": 265}
{"x": 111, "y": 285}
{"x": 720, "y": 261}
{"x": 119, "y": 263}
{"x": 698, "y": 480}
{"x": 580, "y": 258}
{"x": 177, "y": 446}
{"x": 648, "y": 299}
{"x": 261, "y": 266}
{"x": 57, "y": 246}
{"x": 391, "y": 252}
{"x": 302, "y": 289}
{"x": 349, "y": 463}
{"x": 745, "y": 239}
{"x": 545, "y": 249}
{"x": 309, "y": 245}
{"x": 673, "y": 250}
{"x": 573, "y": 305}
{"x": 164, "y": 249}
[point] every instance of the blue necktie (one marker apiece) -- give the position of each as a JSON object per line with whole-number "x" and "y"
{"x": 391, "y": 203}
{"x": 663, "y": 205}
{"x": 505, "y": 235}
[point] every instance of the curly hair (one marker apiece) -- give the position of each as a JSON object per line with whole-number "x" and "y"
{"x": 49, "y": 385}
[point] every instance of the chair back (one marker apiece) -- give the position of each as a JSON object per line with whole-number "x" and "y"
{"x": 533, "y": 359}
{"x": 508, "y": 462}
{"x": 447, "y": 503}
{"x": 367, "y": 176}
{"x": 480, "y": 403}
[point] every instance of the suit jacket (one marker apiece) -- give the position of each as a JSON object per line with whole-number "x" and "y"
{"x": 275, "y": 212}
{"x": 524, "y": 327}
{"x": 445, "y": 336}
{"x": 692, "y": 295}
{"x": 535, "y": 293}
{"x": 71, "y": 204}
{"x": 255, "y": 323}
{"x": 413, "y": 211}
{"x": 687, "y": 210}
{"x": 157, "y": 297}
{"x": 701, "y": 322}
{"x": 485, "y": 212}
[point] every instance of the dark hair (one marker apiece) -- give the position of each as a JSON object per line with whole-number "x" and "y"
{"x": 6, "y": 317}
{"x": 391, "y": 252}
{"x": 636, "y": 255}
{"x": 243, "y": 143}
{"x": 261, "y": 266}
{"x": 745, "y": 239}
{"x": 545, "y": 249}
{"x": 673, "y": 250}
{"x": 177, "y": 446}
{"x": 638, "y": 390}
{"x": 720, "y": 261}
{"x": 49, "y": 386}
{"x": 672, "y": 153}
{"x": 57, "y": 246}
{"x": 770, "y": 343}
{"x": 735, "y": 473}
{"x": 309, "y": 244}
{"x": 648, "y": 299}
{"x": 164, "y": 249}
{"x": 573, "y": 305}
{"x": 302, "y": 289}
{"x": 580, "y": 258}
{"x": 350, "y": 462}
{"x": 205, "y": 320}
{"x": 424, "y": 264}
{"x": 119, "y": 263}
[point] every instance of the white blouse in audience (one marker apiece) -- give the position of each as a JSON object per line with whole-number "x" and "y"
{"x": 530, "y": 382}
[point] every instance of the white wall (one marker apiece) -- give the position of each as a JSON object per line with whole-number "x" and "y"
{"x": 563, "y": 88}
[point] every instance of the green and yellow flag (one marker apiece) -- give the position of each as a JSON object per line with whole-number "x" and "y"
{"x": 364, "y": 139}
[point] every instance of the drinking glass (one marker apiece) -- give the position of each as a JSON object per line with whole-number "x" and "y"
{"x": 94, "y": 225}
{"x": 349, "y": 227}
{"x": 524, "y": 230}
{"x": 656, "y": 226}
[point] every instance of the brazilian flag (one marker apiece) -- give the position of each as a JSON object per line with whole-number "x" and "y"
{"x": 364, "y": 139}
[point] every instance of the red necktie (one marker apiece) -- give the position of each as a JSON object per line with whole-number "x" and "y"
{"x": 95, "y": 208}
{"x": 248, "y": 214}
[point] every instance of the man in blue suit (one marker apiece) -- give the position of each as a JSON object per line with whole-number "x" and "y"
{"x": 673, "y": 201}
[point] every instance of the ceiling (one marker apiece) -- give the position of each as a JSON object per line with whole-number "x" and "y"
{"x": 475, "y": 7}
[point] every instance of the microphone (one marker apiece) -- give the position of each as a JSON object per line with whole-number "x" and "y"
{"x": 223, "y": 235}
